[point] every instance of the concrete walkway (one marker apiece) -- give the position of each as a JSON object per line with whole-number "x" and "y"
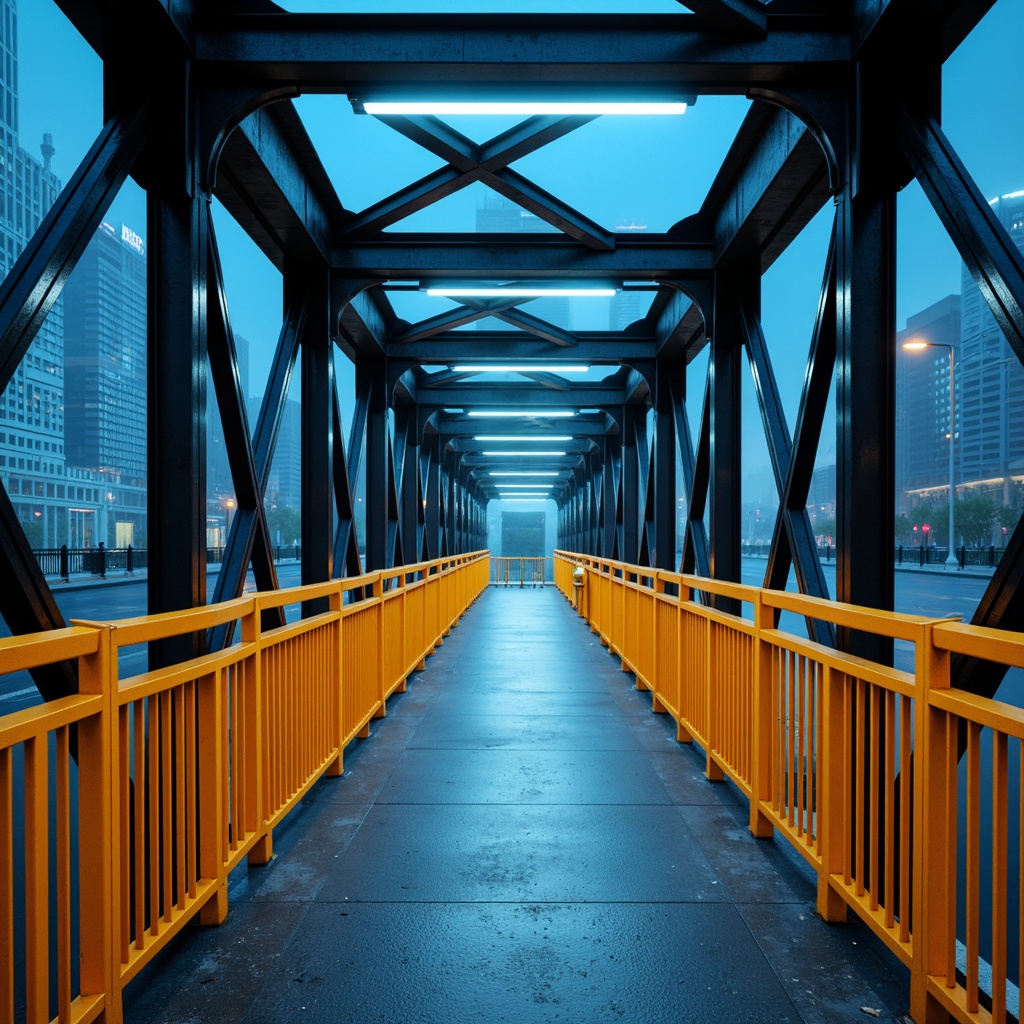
{"x": 522, "y": 840}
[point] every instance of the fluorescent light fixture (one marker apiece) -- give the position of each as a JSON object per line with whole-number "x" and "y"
{"x": 538, "y": 413}
{"x": 520, "y": 494}
{"x": 525, "y": 474}
{"x": 505, "y": 487}
{"x": 534, "y": 500}
{"x": 492, "y": 291}
{"x": 510, "y": 368}
{"x": 519, "y": 108}
{"x": 542, "y": 438}
{"x": 535, "y": 455}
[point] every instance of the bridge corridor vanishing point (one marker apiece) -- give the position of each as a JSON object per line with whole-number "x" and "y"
{"x": 521, "y": 839}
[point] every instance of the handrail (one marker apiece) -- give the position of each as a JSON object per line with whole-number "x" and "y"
{"x": 855, "y": 763}
{"x": 186, "y": 770}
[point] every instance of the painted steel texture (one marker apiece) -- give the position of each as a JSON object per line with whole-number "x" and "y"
{"x": 863, "y": 768}
{"x": 186, "y": 769}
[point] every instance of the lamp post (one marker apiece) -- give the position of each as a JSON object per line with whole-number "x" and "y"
{"x": 918, "y": 346}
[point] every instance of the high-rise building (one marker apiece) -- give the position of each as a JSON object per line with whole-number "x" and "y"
{"x": 922, "y": 404}
{"x": 990, "y": 384}
{"x": 499, "y": 215}
{"x": 32, "y": 405}
{"x": 105, "y": 386}
{"x": 628, "y": 306}
{"x": 219, "y": 483}
{"x": 284, "y": 485}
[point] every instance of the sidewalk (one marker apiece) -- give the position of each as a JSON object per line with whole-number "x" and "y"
{"x": 521, "y": 839}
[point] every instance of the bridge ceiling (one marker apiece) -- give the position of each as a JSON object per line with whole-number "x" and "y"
{"x": 377, "y": 199}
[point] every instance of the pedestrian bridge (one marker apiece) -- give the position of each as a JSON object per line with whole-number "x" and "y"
{"x": 520, "y": 838}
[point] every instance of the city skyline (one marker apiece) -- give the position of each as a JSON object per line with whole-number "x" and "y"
{"x": 926, "y": 258}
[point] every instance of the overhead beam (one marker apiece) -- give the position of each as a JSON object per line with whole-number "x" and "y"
{"x": 744, "y": 17}
{"x": 523, "y": 256}
{"x": 472, "y": 346}
{"x": 362, "y": 53}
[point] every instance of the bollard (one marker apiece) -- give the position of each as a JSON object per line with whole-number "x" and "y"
{"x": 963, "y": 556}
{"x": 65, "y": 566}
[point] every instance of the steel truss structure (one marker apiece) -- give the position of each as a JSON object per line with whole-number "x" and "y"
{"x": 846, "y": 109}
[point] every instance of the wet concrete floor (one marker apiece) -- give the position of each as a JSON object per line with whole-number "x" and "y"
{"x": 522, "y": 840}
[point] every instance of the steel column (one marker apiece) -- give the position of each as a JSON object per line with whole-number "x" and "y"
{"x": 865, "y": 390}
{"x": 317, "y": 424}
{"x": 665, "y": 511}
{"x": 176, "y": 415}
{"x": 371, "y": 378}
{"x": 726, "y": 437}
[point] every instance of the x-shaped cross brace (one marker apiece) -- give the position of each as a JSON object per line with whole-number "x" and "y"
{"x": 468, "y": 162}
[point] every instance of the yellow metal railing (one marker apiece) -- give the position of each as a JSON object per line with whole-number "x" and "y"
{"x": 183, "y": 771}
{"x": 858, "y": 765}
{"x": 520, "y": 572}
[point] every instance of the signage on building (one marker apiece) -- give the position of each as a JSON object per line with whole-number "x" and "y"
{"x": 132, "y": 239}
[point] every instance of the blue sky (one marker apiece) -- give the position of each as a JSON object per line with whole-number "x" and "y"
{"x": 646, "y": 173}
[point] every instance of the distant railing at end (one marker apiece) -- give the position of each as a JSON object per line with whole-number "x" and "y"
{"x": 521, "y": 572}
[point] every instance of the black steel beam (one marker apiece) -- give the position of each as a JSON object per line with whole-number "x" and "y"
{"x": 666, "y": 512}
{"x": 371, "y": 380}
{"x": 995, "y": 262}
{"x": 890, "y": 25}
{"x": 499, "y": 396}
{"x": 367, "y": 55}
{"x": 271, "y": 180}
{"x": 408, "y": 256}
{"x": 26, "y": 601}
{"x": 34, "y": 283}
{"x": 865, "y": 410}
{"x": 726, "y": 436}
{"x": 317, "y": 366}
{"x": 745, "y": 17}
{"x": 451, "y": 319}
{"x": 248, "y": 539}
{"x": 346, "y": 548}
{"x": 795, "y": 542}
{"x": 176, "y": 265}
{"x": 696, "y": 467}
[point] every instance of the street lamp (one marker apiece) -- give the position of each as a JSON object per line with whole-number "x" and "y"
{"x": 918, "y": 346}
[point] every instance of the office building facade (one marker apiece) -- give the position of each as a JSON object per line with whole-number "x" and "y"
{"x": 990, "y": 385}
{"x": 922, "y": 404}
{"x": 32, "y": 405}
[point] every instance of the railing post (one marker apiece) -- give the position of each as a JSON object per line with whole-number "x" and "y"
{"x": 761, "y": 733}
{"x": 99, "y": 827}
{"x": 256, "y": 726}
{"x": 936, "y": 755}
{"x": 129, "y": 561}
{"x": 337, "y": 603}
{"x": 833, "y": 766}
{"x": 65, "y": 564}
{"x": 210, "y": 778}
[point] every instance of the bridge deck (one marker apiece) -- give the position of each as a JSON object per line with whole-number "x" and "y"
{"x": 521, "y": 839}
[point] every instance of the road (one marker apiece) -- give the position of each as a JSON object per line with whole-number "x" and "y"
{"x": 933, "y": 594}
